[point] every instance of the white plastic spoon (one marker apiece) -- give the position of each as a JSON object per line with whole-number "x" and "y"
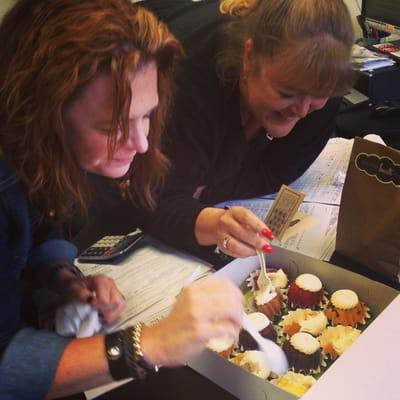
{"x": 274, "y": 356}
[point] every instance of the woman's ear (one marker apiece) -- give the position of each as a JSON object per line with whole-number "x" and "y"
{"x": 247, "y": 56}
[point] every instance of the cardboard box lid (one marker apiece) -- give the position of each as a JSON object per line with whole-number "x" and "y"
{"x": 369, "y": 369}
{"x": 366, "y": 371}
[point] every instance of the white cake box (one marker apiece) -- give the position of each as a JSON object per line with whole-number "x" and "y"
{"x": 368, "y": 370}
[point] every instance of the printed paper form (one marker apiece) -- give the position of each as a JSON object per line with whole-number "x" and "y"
{"x": 318, "y": 241}
{"x": 150, "y": 279}
{"x": 323, "y": 184}
{"x": 323, "y": 181}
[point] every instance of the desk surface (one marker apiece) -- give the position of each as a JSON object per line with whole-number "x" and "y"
{"x": 184, "y": 383}
{"x": 170, "y": 384}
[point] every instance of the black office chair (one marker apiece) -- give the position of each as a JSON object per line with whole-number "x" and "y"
{"x": 359, "y": 122}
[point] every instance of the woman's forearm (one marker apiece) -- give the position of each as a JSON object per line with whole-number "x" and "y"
{"x": 82, "y": 366}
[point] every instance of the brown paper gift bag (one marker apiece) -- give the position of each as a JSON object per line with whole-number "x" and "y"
{"x": 369, "y": 217}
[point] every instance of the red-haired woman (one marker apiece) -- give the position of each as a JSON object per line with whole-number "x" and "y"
{"x": 84, "y": 87}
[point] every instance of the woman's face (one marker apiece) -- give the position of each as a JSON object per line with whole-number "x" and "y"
{"x": 87, "y": 121}
{"x": 275, "y": 107}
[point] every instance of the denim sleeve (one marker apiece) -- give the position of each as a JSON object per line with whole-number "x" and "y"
{"x": 29, "y": 363}
{"x": 51, "y": 250}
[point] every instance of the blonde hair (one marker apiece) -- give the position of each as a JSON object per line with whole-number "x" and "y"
{"x": 237, "y": 8}
{"x": 312, "y": 39}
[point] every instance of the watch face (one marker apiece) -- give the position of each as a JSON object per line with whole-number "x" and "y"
{"x": 114, "y": 352}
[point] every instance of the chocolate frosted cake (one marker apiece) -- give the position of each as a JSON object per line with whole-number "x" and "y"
{"x": 303, "y": 352}
{"x": 263, "y": 325}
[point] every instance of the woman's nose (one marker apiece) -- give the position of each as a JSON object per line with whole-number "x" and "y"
{"x": 302, "y": 106}
{"x": 307, "y": 104}
{"x": 137, "y": 139}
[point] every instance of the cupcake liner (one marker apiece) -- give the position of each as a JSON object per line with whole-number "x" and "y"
{"x": 352, "y": 317}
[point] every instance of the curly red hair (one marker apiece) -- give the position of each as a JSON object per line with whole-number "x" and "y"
{"x": 50, "y": 50}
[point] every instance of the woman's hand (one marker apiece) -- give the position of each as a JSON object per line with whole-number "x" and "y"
{"x": 204, "y": 310}
{"x": 99, "y": 291}
{"x": 236, "y": 231}
{"x": 106, "y": 298}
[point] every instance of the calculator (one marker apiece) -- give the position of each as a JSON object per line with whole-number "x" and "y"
{"x": 110, "y": 247}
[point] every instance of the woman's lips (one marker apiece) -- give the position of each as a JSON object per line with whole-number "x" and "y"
{"x": 123, "y": 160}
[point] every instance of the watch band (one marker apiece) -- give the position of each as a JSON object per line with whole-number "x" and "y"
{"x": 114, "y": 343}
{"x": 124, "y": 354}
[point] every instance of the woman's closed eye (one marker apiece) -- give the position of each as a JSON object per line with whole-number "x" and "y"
{"x": 286, "y": 95}
{"x": 103, "y": 129}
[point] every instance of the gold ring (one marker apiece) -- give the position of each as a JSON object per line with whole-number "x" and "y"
{"x": 225, "y": 242}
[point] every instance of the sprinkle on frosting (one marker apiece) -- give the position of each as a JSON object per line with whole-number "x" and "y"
{"x": 309, "y": 282}
{"x": 344, "y": 299}
{"x": 304, "y": 342}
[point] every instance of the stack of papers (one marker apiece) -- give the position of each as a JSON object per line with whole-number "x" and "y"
{"x": 367, "y": 60}
{"x": 150, "y": 279}
{"x": 323, "y": 184}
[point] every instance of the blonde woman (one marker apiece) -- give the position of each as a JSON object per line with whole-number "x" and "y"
{"x": 257, "y": 97}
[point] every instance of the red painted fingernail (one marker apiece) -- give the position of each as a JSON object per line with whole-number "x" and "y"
{"x": 267, "y": 248}
{"x": 268, "y": 234}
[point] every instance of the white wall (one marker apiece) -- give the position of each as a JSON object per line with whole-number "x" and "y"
{"x": 355, "y": 7}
